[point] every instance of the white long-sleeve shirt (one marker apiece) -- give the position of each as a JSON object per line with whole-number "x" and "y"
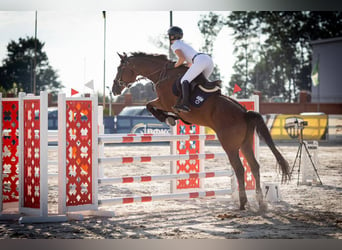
{"x": 187, "y": 50}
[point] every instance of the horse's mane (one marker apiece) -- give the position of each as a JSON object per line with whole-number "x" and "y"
{"x": 142, "y": 54}
{"x": 155, "y": 56}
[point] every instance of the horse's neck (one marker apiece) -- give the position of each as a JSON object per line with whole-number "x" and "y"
{"x": 152, "y": 70}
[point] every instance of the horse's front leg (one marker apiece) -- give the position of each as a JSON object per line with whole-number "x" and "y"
{"x": 155, "y": 108}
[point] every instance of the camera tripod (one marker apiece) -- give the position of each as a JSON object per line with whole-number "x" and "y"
{"x": 299, "y": 154}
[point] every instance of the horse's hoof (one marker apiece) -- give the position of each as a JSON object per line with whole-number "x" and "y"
{"x": 263, "y": 207}
{"x": 170, "y": 121}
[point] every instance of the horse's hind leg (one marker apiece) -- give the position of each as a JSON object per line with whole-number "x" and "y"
{"x": 235, "y": 161}
{"x": 247, "y": 150}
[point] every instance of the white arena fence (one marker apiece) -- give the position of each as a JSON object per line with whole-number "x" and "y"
{"x": 80, "y": 155}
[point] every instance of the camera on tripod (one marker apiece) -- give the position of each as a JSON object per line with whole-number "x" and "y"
{"x": 301, "y": 124}
{"x": 294, "y": 127}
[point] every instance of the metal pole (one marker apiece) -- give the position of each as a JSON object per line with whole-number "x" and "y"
{"x": 318, "y": 90}
{"x": 171, "y": 18}
{"x": 171, "y": 24}
{"x": 110, "y": 104}
{"x": 35, "y": 55}
{"x": 104, "y": 60}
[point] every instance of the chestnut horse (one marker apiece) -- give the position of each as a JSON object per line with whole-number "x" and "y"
{"x": 233, "y": 124}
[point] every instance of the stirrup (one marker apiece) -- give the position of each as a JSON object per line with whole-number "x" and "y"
{"x": 170, "y": 121}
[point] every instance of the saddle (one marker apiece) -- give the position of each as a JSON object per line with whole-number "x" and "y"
{"x": 202, "y": 83}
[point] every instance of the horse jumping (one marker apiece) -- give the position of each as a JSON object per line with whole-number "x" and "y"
{"x": 233, "y": 124}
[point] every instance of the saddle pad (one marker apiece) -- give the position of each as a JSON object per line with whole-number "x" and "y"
{"x": 197, "y": 96}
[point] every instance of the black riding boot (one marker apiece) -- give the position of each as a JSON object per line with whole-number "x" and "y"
{"x": 184, "y": 104}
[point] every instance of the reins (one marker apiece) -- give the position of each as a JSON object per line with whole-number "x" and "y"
{"x": 162, "y": 76}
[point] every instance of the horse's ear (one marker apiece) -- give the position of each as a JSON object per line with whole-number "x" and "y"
{"x": 122, "y": 57}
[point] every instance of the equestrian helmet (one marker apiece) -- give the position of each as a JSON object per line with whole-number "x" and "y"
{"x": 175, "y": 33}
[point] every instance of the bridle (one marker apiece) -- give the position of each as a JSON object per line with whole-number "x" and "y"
{"x": 122, "y": 67}
{"x": 128, "y": 65}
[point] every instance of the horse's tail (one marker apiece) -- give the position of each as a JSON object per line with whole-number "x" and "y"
{"x": 256, "y": 120}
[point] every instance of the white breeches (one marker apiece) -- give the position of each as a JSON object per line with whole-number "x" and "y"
{"x": 202, "y": 64}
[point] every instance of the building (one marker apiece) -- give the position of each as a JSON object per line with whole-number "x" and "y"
{"x": 328, "y": 54}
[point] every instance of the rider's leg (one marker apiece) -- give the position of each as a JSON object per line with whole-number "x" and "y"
{"x": 184, "y": 104}
{"x": 202, "y": 64}
{"x": 209, "y": 65}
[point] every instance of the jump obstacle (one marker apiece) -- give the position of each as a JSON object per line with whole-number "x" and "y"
{"x": 79, "y": 146}
{"x": 24, "y": 176}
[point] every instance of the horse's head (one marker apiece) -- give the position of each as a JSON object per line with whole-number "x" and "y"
{"x": 149, "y": 66}
{"x": 125, "y": 76}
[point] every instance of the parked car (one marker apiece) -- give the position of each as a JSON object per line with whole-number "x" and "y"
{"x": 136, "y": 120}
{"x": 131, "y": 120}
{"x": 52, "y": 119}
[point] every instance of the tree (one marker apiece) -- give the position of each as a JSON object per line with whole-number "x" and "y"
{"x": 273, "y": 49}
{"x": 18, "y": 68}
{"x": 284, "y": 43}
{"x": 210, "y": 25}
{"x": 268, "y": 74}
{"x": 245, "y": 31}
{"x": 292, "y": 33}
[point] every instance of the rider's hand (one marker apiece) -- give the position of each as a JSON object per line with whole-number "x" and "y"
{"x": 170, "y": 65}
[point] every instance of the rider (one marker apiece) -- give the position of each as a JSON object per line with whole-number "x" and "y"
{"x": 197, "y": 62}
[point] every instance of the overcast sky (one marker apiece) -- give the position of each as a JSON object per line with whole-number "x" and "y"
{"x": 74, "y": 40}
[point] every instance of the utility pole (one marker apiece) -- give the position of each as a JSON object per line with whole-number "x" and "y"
{"x": 104, "y": 59}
